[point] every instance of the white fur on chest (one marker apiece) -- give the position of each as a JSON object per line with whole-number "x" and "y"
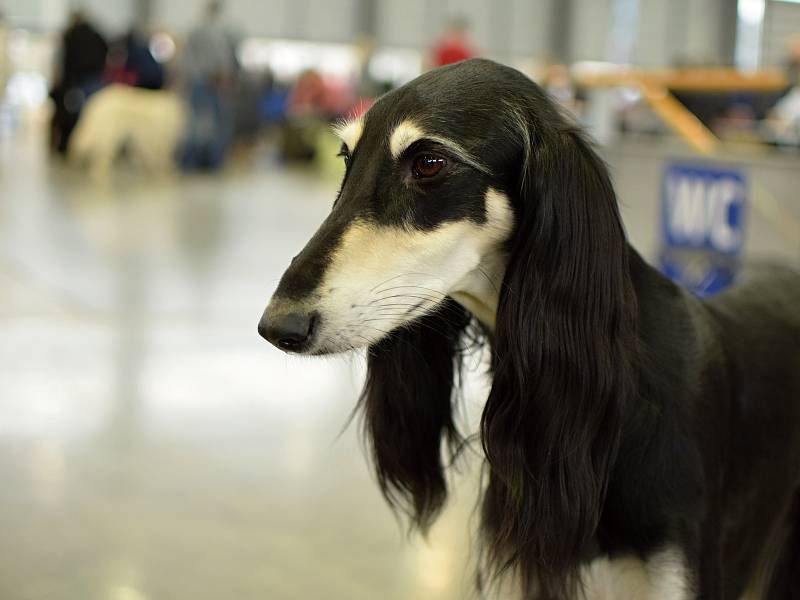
{"x": 662, "y": 577}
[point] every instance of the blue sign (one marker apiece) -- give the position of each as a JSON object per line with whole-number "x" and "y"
{"x": 702, "y": 212}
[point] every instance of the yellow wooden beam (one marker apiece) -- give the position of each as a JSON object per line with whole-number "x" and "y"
{"x": 679, "y": 118}
{"x": 689, "y": 79}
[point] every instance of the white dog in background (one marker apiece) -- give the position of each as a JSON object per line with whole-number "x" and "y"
{"x": 148, "y": 123}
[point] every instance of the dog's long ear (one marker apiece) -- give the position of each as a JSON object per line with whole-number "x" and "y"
{"x": 562, "y": 359}
{"x": 408, "y": 410}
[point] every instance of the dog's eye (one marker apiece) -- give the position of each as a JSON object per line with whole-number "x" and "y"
{"x": 345, "y": 153}
{"x": 427, "y": 165}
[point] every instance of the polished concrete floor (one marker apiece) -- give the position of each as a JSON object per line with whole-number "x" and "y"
{"x": 152, "y": 446}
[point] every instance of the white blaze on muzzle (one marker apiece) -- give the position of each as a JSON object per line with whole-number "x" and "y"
{"x": 382, "y": 277}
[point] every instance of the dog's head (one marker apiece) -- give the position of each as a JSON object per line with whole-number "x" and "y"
{"x": 468, "y": 194}
{"x": 423, "y": 213}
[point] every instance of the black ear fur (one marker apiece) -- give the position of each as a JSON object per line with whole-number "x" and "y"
{"x": 563, "y": 364}
{"x": 408, "y": 410}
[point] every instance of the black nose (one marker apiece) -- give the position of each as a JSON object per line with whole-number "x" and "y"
{"x": 291, "y": 332}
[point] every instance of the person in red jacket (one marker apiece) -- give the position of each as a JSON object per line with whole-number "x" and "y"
{"x": 454, "y": 45}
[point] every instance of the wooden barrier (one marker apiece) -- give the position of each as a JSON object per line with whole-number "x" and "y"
{"x": 656, "y": 87}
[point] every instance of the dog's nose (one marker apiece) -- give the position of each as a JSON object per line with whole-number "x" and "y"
{"x": 291, "y": 332}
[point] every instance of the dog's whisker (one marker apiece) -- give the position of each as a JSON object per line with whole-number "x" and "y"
{"x": 413, "y": 301}
{"x": 418, "y": 287}
{"x": 491, "y": 282}
{"x": 385, "y": 281}
{"x": 408, "y": 296}
{"x": 379, "y": 330}
{"x": 377, "y": 307}
{"x": 396, "y": 311}
{"x": 401, "y": 297}
{"x": 399, "y": 306}
{"x": 405, "y": 290}
{"x": 408, "y": 274}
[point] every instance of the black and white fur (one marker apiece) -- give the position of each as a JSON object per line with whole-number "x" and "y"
{"x": 640, "y": 442}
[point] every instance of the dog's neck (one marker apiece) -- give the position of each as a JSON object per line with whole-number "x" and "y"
{"x": 479, "y": 290}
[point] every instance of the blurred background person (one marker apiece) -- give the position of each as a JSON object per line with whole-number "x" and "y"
{"x": 131, "y": 62}
{"x": 313, "y": 103}
{"x": 82, "y": 61}
{"x": 454, "y": 44}
{"x": 312, "y": 97}
{"x": 208, "y": 70}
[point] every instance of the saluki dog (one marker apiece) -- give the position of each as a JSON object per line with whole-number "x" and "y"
{"x": 639, "y": 442}
{"x": 149, "y": 123}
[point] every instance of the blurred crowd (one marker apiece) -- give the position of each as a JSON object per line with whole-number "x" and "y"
{"x": 206, "y": 76}
{"x": 187, "y": 103}
{"x": 94, "y": 119}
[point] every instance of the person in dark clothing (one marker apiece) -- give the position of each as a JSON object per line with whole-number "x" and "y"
{"x": 131, "y": 62}
{"x": 82, "y": 61}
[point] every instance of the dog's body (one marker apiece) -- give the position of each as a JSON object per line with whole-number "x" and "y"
{"x": 639, "y": 443}
{"x": 149, "y": 123}
{"x": 711, "y": 461}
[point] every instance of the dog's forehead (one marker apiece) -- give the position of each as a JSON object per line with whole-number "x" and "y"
{"x": 403, "y": 116}
{"x": 439, "y": 95}
{"x": 471, "y": 101}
